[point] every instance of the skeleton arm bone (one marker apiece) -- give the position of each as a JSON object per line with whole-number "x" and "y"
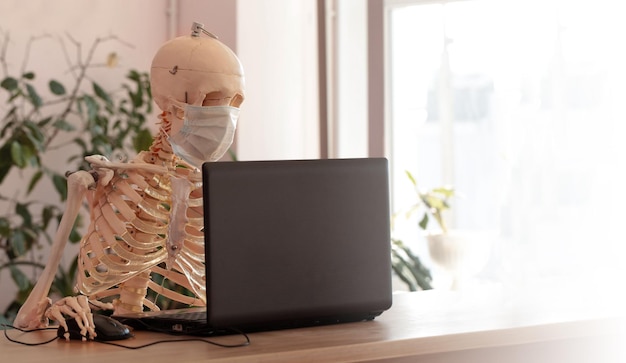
{"x": 106, "y": 167}
{"x": 35, "y": 311}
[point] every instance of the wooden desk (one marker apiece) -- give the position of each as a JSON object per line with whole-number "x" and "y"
{"x": 432, "y": 326}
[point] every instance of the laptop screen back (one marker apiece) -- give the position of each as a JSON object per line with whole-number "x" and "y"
{"x": 296, "y": 240}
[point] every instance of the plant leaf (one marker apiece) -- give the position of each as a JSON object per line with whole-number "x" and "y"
{"x": 29, "y": 75}
{"x": 46, "y": 215}
{"x": 434, "y": 202}
{"x": 74, "y": 236}
{"x": 19, "y": 278}
{"x": 142, "y": 140}
{"x": 133, "y": 75}
{"x": 17, "y": 154}
{"x": 138, "y": 99}
{"x": 5, "y": 227}
{"x": 18, "y": 243}
{"x": 424, "y": 222}
{"x": 26, "y": 152}
{"x": 5, "y": 161}
{"x": 9, "y": 83}
{"x": 43, "y": 122}
{"x": 92, "y": 107}
{"x": 56, "y": 87}
{"x": 33, "y": 181}
{"x": 101, "y": 93}
{"x": 445, "y": 191}
{"x": 60, "y": 184}
{"x": 411, "y": 178}
{"x": 34, "y": 96}
{"x": 35, "y": 135}
{"x": 61, "y": 124}
{"x": 22, "y": 210}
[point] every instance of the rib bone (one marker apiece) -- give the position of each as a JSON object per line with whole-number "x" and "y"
{"x": 145, "y": 234}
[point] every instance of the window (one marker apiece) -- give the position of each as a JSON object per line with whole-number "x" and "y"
{"x": 519, "y": 106}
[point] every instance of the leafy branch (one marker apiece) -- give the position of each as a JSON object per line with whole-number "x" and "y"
{"x": 409, "y": 268}
{"x": 73, "y": 118}
{"x": 434, "y": 202}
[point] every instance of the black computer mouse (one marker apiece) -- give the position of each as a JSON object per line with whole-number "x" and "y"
{"x": 107, "y": 329}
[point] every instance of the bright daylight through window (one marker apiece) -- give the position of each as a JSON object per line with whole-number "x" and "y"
{"x": 519, "y": 105}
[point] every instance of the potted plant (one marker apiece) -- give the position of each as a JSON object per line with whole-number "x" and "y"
{"x": 405, "y": 263}
{"x": 459, "y": 253}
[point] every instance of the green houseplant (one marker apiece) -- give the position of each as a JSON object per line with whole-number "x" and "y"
{"x": 405, "y": 263}
{"x": 432, "y": 203}
{"x": 459, "y": 253}
{"x": 74, "y": 117}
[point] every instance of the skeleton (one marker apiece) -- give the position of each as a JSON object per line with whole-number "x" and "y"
{"x": 146, "y": 217}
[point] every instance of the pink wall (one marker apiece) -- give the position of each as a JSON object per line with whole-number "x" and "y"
{"x": 138, "y": 26}
{"x": 218, "y": 17}
{"x": 142, "y": 25}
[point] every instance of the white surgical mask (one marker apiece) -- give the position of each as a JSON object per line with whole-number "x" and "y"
{"x": 206, "y": 135}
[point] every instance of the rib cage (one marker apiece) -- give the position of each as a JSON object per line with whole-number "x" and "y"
{"x": 128, "y": 240}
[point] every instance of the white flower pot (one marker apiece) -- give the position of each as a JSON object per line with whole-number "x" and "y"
{"x": 461, "y": 254}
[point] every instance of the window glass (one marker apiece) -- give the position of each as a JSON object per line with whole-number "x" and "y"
{"x": 519, "y": 106}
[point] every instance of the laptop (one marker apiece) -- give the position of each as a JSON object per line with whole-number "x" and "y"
{"x": 290, "y": 243}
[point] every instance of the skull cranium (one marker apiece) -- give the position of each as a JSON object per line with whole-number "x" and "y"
{"x": 195, "y": 70}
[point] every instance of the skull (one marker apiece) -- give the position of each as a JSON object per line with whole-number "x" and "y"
{"x": 195, "y": 70}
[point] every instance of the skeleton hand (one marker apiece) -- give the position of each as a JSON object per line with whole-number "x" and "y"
{"x": 77, "y": 307}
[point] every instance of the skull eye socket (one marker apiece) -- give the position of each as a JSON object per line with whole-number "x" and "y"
{"x": 219, "y": 99}
{"x": 214, "y": 99}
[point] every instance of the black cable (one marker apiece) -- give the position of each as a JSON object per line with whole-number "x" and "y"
{"x": 27, "y": 331}
{"x": 182, "y": 340}
{"x": 245, "y": 343}
{"x": 200, "y": 331}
